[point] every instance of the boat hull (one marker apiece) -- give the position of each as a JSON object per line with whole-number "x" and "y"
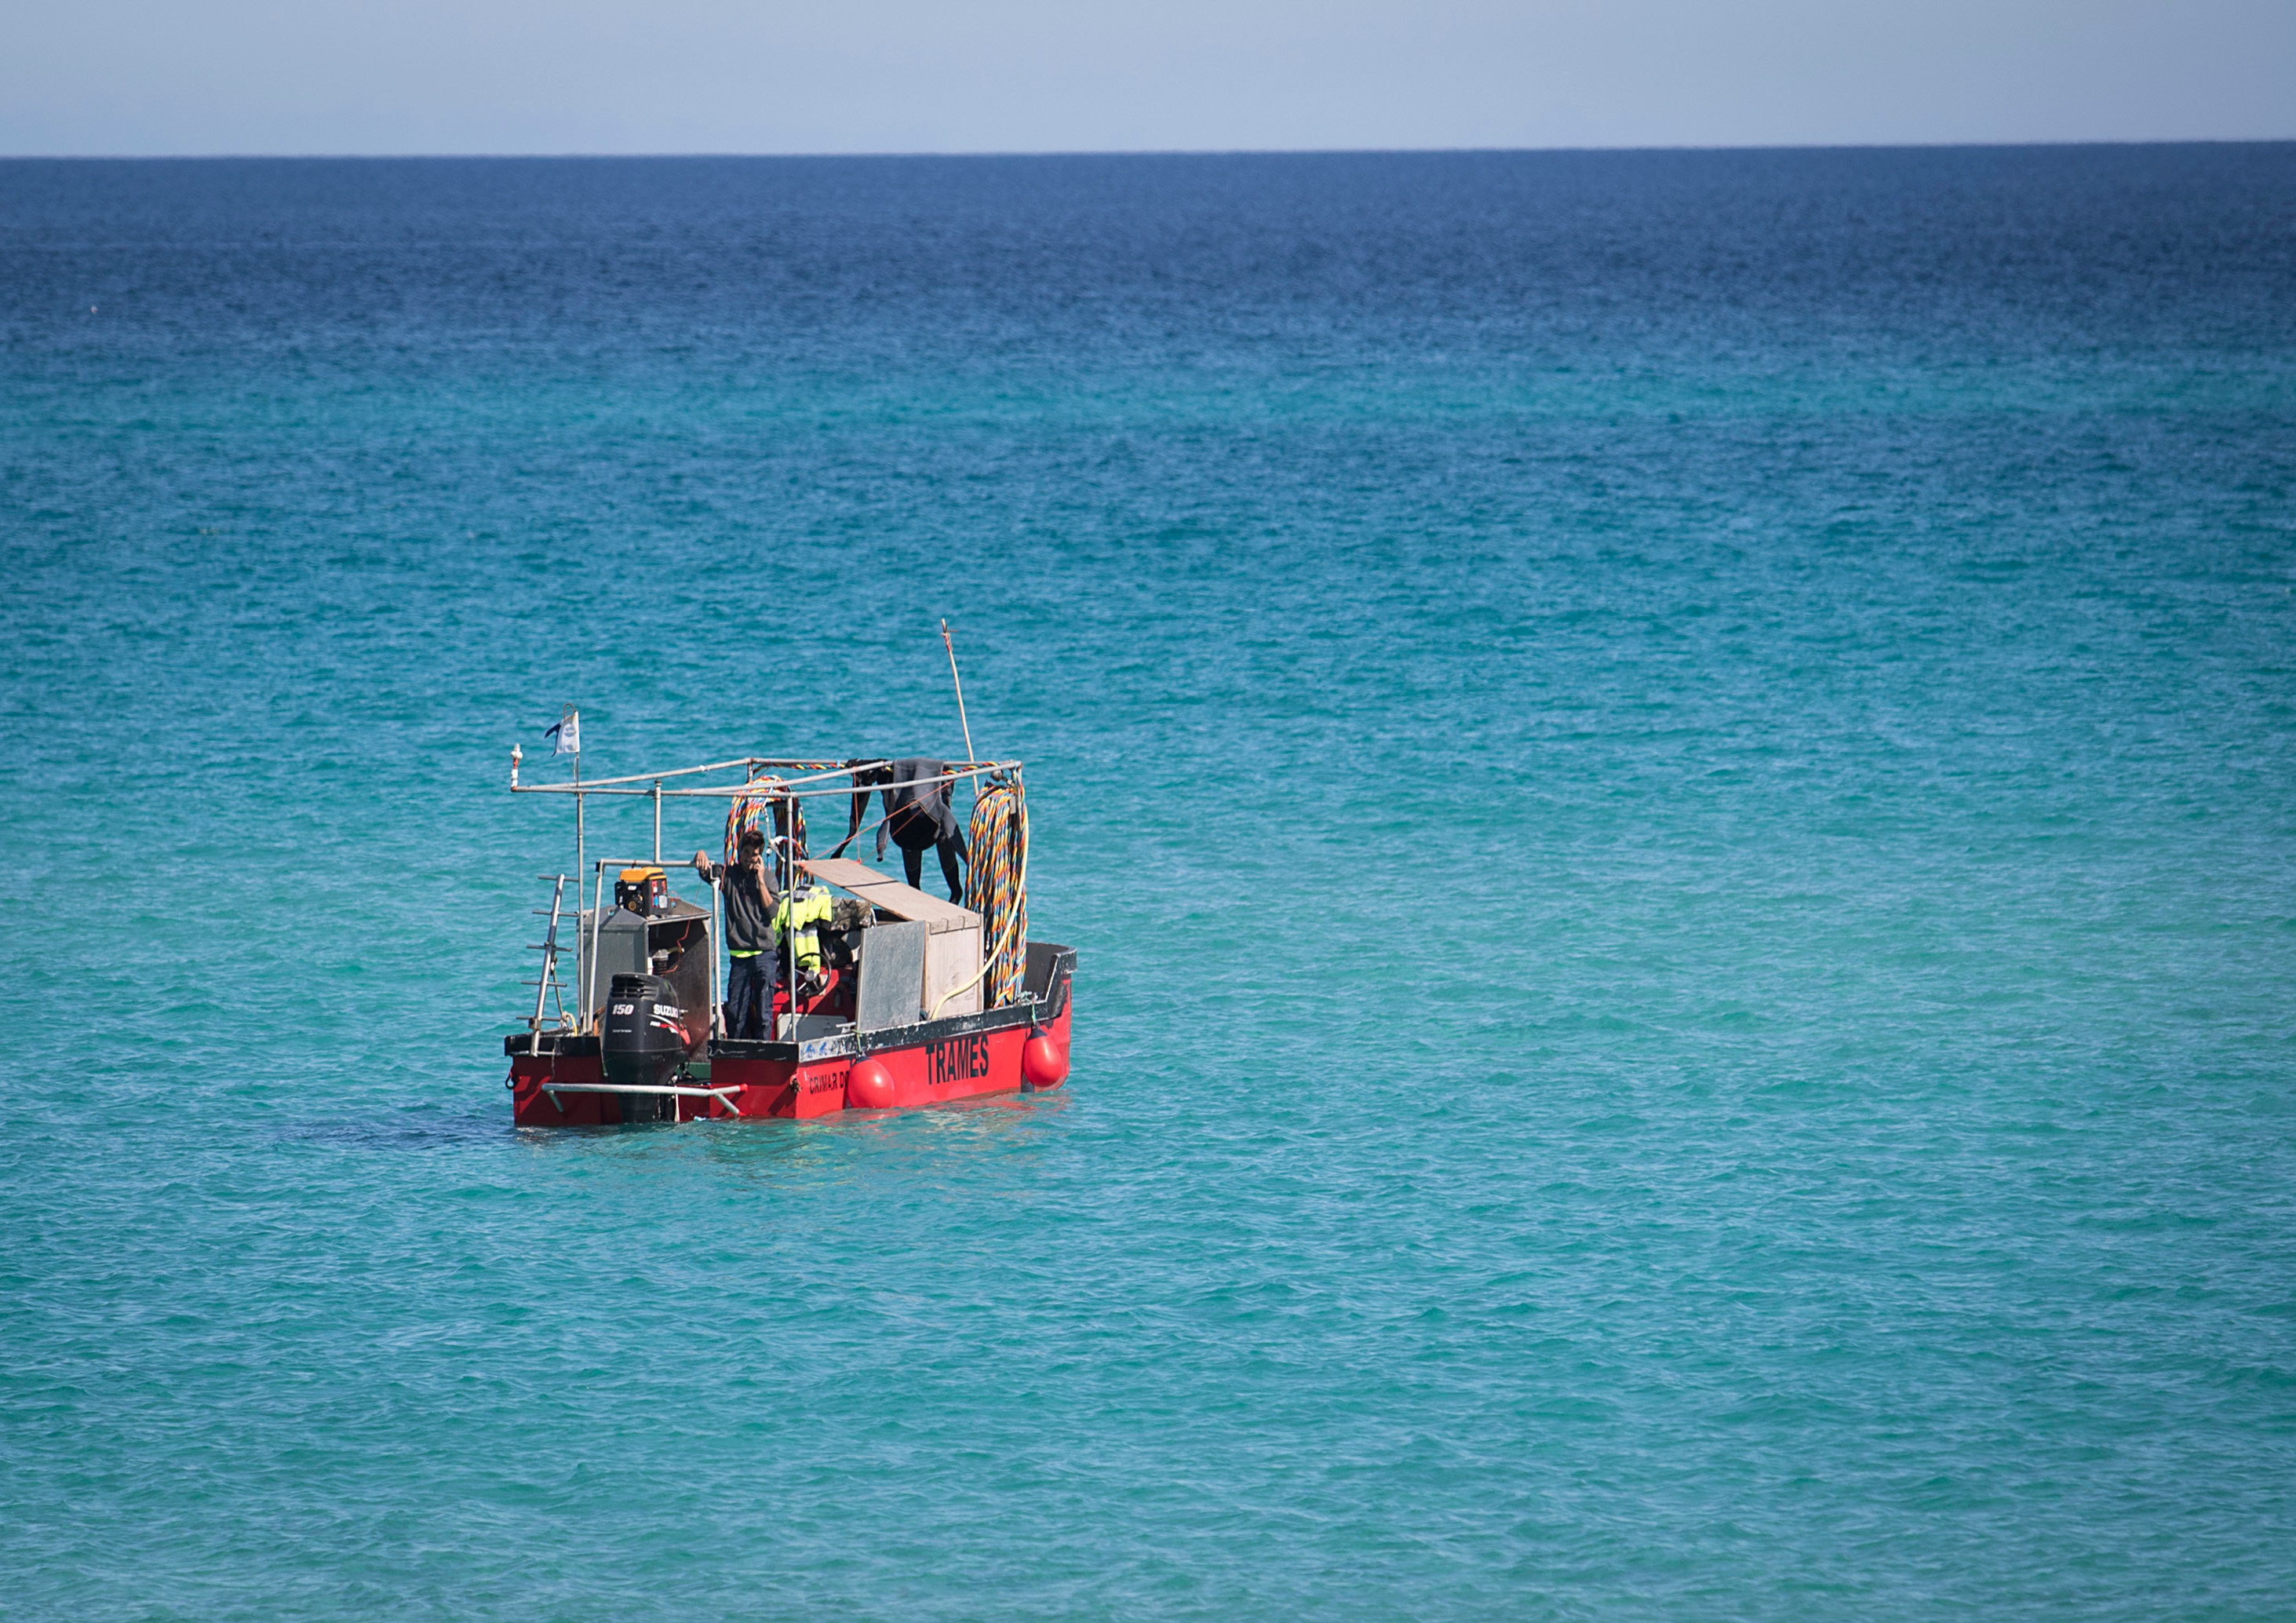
{"x": 557, "y": 1081}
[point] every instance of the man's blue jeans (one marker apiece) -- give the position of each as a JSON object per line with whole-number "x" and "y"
{"x": 749, "y": 995}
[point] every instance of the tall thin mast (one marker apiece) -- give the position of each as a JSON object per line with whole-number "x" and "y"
{"x": 969, "y": 756}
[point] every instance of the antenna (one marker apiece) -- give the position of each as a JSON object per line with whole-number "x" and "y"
{"x": 969, "y": 756}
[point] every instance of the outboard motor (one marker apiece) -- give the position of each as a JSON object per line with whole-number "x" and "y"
{"x": 645, "y": 1032}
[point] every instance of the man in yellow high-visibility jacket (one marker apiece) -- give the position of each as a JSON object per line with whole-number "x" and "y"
{"x": 802, "y": 911}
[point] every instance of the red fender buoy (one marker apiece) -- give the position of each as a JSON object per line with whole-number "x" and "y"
{"x": 1043, "y": 1062}
{"x": 869, "y": 1086}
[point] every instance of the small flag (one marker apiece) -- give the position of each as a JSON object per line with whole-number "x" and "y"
{"x": 566, "y": 737}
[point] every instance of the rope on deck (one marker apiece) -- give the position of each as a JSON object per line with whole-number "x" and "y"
{"x": 996, "y": 885}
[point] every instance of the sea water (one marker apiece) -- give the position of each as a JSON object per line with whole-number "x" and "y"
{"x": 1672, "y": 775}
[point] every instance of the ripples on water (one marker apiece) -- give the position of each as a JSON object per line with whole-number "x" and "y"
{"x": 1671, "y": 772}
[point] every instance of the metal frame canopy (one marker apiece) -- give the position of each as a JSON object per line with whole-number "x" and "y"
{"x": 813, "y": 780}
{"x": 813, "y": 784}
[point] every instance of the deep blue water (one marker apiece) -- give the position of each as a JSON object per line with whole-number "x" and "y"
{"x": 1672, "y": 774}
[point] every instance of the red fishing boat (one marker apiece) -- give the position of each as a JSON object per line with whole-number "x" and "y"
{"x": 882, "y": 996}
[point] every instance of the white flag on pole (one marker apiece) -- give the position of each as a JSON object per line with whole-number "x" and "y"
{"x": 566, "y": 737}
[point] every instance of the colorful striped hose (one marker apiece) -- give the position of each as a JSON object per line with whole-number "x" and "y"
{"x": 748, "y": 812}
{"x": 744, "y": 814}
{"x": 996, "y": 885}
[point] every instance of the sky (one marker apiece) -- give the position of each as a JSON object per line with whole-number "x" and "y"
{"x": 196, "y": 77}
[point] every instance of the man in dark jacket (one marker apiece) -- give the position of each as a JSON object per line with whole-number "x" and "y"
{"x": 747, "y": 895}
{"x": 920, "y": 818}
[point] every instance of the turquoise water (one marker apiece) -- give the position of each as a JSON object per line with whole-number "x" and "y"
{"x": 1671, "y": 773}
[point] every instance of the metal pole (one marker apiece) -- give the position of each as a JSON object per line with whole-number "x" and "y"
{"x": 789, "y": 910}
{"x": 717, "y": 946}
{"x": 945, "y": 642}
{"x": 581, "y": 858}
{"x": 657, "y": 821}
{"x": 597, "y": 916}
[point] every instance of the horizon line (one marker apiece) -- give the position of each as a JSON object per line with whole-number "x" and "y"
{"x": 1070, "y": 152}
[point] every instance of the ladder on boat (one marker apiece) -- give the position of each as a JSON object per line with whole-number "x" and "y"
{"x": 547, "y": 985}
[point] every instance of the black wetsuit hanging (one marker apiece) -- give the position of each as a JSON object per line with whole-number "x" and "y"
{"x": 920, "y": 819}
{"x": 866, "y": 772}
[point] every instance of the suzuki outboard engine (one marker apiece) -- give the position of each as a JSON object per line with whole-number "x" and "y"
{"x": 645, "y": 1032}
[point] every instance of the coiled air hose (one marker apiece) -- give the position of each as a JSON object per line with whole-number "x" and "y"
{"x": 996, "y": 888}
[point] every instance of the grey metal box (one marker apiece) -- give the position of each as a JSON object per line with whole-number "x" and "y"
{"x": 893, "y": 975}
{"x": 621, "y": 951}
